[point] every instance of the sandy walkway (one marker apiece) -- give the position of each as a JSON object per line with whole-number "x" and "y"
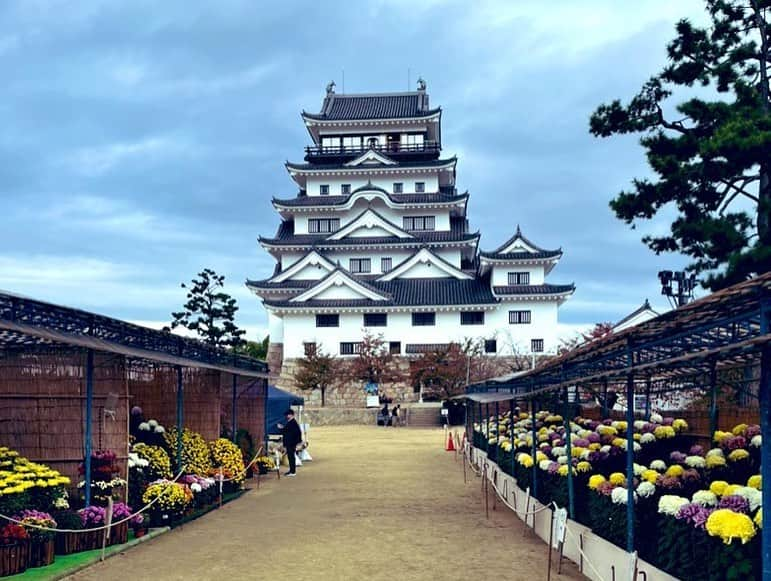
{"x": 375, "y": 504}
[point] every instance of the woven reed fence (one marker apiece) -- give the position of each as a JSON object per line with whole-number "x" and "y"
{"x": 250, "y": 404}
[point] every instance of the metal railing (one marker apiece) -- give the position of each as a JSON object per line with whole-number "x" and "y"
{"x": 392, "y": 148}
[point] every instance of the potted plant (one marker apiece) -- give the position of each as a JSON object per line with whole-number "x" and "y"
{"x": 265, "y": 464}
{"x": 67, "y": 542}
{"x": 137, "y": 523}
{"x": 41, "y": 548}
{"x": 91, "y": 517}
{"x": 14, "y": 549}
{"x": 119, "y": 532}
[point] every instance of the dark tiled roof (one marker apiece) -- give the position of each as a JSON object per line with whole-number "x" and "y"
{"x": 285, "y": 236}
{"x": 305, "y": 201}
{"x": 521, "y": 255}
{"x": 534, "y": 289}
{"x": 265, "y": 284}
{"x": 518, "y": 234}
{"x": 646, "y": 306}
{"x": 342, "y": 166}
{"x": 412, "y": 292}
{"x": 386, "y": 106}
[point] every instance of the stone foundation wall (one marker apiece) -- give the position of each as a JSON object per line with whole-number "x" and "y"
{"x": 336, "y": 416}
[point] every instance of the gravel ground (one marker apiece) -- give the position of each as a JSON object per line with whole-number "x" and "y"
{"x": 375, "y": 504}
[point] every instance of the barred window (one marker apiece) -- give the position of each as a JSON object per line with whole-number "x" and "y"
{"x": 516, "y": 278}
{"x": 324, "y": 189}
{"x": 386, "y": 264}
{"x": 536, "y": 345}
{"x": 360, "y": 265}
{"x": 420, "y": 187}
{"x": 323, "y": 225}
{"x": 491, "y": 346}
{"x": 519, "y": 317}
{"x": 345, "y": 189}
{"x": 398, "y": 187}
{"x": 395, "y": 347}
{"x": 419, "y": 223}
{"x": 309, "y": 349}
{"x": 350, "y": 348}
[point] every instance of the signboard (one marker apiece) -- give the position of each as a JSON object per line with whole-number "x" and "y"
{"x": 373, "y": 401}
{"x": 560, "y": 526}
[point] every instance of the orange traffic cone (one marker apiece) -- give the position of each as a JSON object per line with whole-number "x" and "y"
{"x": 450, "y": 445}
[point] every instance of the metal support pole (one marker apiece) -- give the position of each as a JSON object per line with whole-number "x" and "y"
{"x": 765, "y": 430}
{"x": 604, "y": 398}
{"x": 648, "y": 382}
{"x": 569, "y": 450}
{"x": 87, "y": 436}
{"x": 630, "y": 462}
{"x": 234, "y": 425}
{"x": 712, "y": 398}
{"x": 180, "y": 415}
{"x": 487, "y": 429}
{"x": 533, "y": 409}
{"x": 511, "y": 436}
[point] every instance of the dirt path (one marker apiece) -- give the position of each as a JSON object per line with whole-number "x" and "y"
{"x": 375, "y": 504}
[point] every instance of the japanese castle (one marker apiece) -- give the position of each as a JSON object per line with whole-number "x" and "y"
{"x": 377, "y": 239}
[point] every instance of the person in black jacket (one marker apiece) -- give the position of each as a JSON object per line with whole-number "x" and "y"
{"x": 292, "y": 436}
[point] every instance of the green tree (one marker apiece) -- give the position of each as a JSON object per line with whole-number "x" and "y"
{"x": 209, "y": 311}
{"x": 255, "y": 349}
{"x": 316, "y": 370}
{"x": 712, "y": 159}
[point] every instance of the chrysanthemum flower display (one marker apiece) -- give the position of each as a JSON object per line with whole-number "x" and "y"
{"x": 730, "y": 525}
{"x": 196, "y": 458}
{"x": 158, "y": 461}
{"x": 227, "y": 455}
{"x": 28, "y": 485}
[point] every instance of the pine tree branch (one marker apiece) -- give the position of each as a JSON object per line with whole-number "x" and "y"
{"x": 673, "y": 125}
{"x": 737, "y": 190}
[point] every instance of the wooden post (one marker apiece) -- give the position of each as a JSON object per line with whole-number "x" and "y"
{"x": 180, "y": 416}
{"x": 234, "y": 427}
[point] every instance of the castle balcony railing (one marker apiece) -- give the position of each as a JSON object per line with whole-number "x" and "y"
{"x": 425, "y": 150}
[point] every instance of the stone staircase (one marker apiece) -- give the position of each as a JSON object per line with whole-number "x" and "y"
{"x": 424, "y": 416}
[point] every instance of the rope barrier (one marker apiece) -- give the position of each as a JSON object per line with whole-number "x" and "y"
{"x": 525, "y": 514}
{"x": 244, "y": 471}
{"x": 106, "y": 526}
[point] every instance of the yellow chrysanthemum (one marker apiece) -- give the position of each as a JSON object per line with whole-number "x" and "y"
{"x": 755, "y": 481}
{"x": 583, "y": 466}
{"x": 674, "y": 470}
{"x": 730, "y": 525}
{"x": 739, "y": 429}
{"x": 718, "y": 487}
{"x": 679, "y": 425}
{"x": 617, "y": 479}
{"x": 595, "y": 480}
{"x": 715, "y": 461}
{"x": 525, "y": 460}
{"x": 737, "y": 455}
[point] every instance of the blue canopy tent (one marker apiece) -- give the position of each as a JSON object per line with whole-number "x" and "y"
{"x": 278, "y": 402}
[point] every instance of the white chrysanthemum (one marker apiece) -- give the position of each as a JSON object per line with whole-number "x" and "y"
{"x": 753, "y": 496}
{"x": 638, "y": 469}
{"x": 153, "y": 423}
{"x": 647, "y": 438}
{"x": 715, "y": 452}
{"x": 656, "y": 418}
{"x": 704, "y": 498}
{"x": 670, "y": 504}
{"x": 584, "y": 433}
{"x": 562, "y": 460}
{"x": 544, "y": 464}
{"x": 638, "y": 425}
{"x": 144, "y": 426}
{"x": 635, "y": 446}
{"x": 619, "y": 495}
{"x": 695, "y": 461}
{"x": 756, "y": 441}
{"x": 646, "y": 489}
{"x": 195, "y": 487}
{"x": 658, "y": 465}
{"x": 559, "y": 451}
{"x": 160, "y": 430}
{"x": 605, "y": 449}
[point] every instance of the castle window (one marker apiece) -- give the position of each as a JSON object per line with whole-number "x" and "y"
{"x": 360, "y": 265}
{"x": 423, "y": 319}
{"x": 309, "y": 349}
{"x": 420, "y": 187}
{"x": 375, "y": 319}
{"x": 345, "y": 189}
{"x": 419, "y": 223}
{"x": 386, "y": 264}
{"x": 328, "y": 320}
{"x": 398, "y": 187}
{"x": 395, "y": 347}
{"x": 350, "y": 348}
{"x": 519, "y": 317}
{"x": 536, "y": 345}
{"x": 324, "y": 189}
{"x": 517, "y": 278}
{"x": 472, "y": 318}
{"x": 323, "y": 225}
{"x": 491, "y": 346}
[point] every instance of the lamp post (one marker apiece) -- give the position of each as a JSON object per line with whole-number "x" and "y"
{"x": 677, "y": 286}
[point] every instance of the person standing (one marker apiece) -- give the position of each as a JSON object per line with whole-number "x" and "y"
{"x": 395, "y": 415}
{"x": 292, "y": 435}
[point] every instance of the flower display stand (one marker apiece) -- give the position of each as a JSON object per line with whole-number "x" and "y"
{"x": 41, "y": 553}
{"x": 88, "y": 541}
{"x": 67, "y": 543}
{"x": 119, "y": 534}
{"x": 14, "y": 558}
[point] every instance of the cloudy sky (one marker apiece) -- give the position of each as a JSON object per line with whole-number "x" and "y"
{"x": 142, "y": 141}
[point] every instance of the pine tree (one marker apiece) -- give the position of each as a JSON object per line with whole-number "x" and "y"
{"x": 712, "y": 159}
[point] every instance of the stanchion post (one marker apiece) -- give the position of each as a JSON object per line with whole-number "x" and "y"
{"x": 484, "y": 485}
{"x": 765, "y": 430}
{"x": 108, "y": 527}
{"x": 551, "y": 540}
{"x": 629, "y": 451}
{"x": 569, "y": 450}
{"x": 87, "y": 436}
